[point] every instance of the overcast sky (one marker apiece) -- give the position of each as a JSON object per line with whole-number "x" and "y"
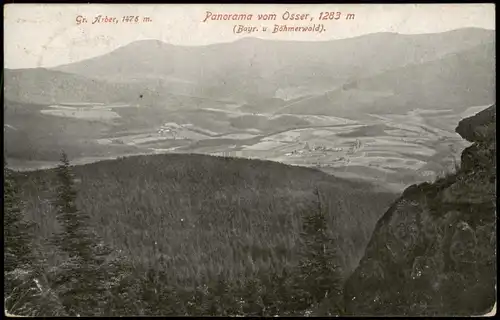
{"x": 46, "y": 35}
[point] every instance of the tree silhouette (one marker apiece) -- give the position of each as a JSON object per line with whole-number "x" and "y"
{"x": 25, "y": 292}
{"x": 80, "y": 280}
{"x": 17, "y": 239}
{"x": 18, "y": 255}
{"x": 319, "y": 272}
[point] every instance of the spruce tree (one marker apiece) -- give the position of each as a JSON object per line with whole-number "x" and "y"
{"x": 18, "y": 264}
{"x": 24, "y": 290}
{"x": 319, "y": 270}
{"x": 17, "y": 238}
{"x": 81, "y": 280}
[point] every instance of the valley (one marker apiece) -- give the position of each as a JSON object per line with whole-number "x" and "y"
{"x": 391, "y": 122}
{"x": 391, "y": 150}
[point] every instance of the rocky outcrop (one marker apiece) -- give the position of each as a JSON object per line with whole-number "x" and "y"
{"x": 434, "y": 251}
{"x": 480, "y": 127}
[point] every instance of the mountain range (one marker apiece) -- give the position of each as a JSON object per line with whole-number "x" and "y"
{"x": 261, "y": 98}
{"x": 381, "y": 68}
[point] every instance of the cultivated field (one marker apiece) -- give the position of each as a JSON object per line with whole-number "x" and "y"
{"x": 395, "y": 150}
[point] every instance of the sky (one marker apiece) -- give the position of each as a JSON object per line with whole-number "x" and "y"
{"x": 47, "y": 35}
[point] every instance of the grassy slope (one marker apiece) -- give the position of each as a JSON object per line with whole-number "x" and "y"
{"x": 207, "y": 214}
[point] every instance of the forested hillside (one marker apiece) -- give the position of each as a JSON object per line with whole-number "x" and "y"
{"x": 181, "y": 227}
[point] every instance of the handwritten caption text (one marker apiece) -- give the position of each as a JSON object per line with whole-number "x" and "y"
{"x": 105, "y": 19}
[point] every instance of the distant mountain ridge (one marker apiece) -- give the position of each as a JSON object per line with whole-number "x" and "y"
{"x": 248, "y": 68}
{"x": 45, "y": 86}
{"x": 377, "y": 72}
{"x": 456, "y": 80}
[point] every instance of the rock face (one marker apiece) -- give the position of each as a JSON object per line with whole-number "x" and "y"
{"x": 434, "y": 250}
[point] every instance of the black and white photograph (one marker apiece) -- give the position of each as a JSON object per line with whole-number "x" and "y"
{"x": 249, "y": 160}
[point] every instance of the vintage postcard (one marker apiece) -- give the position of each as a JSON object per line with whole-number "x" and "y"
{"x": 249, "y": 159}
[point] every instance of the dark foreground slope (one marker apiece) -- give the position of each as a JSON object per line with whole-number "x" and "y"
{"x": 434, "y": 251}
{"x": 204, "y": 216}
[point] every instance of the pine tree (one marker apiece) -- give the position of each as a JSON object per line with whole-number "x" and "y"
{"x": 81, "y": 280}
{"x": 319, "y": 272}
